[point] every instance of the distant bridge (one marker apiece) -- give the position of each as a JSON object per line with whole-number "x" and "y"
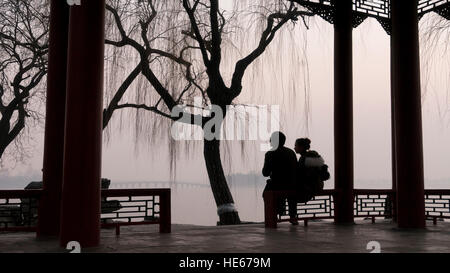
{"x": 157, "y": 184}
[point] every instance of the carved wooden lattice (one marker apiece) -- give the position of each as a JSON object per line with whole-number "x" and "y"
{"x": 370, "y": 205}
{"x": 18, "y": 212}
{"x": 378, "y": 9}
{"x": 431, "y": 5}
{"x": 444, "y": 10}
{"x": 131, "y": 209}
{"x": 437, "y": 205}
{"x": 373, "y": 8}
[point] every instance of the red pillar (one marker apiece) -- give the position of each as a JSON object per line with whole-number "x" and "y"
{"x": 343, "y": 111}
{"x": 49, "y": 205}
{"x": 80, "y": 212}
{"x": 408, "y": 114}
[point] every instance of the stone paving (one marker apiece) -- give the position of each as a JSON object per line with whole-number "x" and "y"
{"x": 317, "y": 237}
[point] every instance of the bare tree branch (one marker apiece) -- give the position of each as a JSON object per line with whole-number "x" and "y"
{"x": 23, "y": 66}
{"x": 266, "y": 38}
{"x": 197, "y": 35}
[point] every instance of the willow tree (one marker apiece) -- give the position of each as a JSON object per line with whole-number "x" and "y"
{"x": 435, "y": 59}
{"x": 23, "y": 65}
{"x": 178, "y": 46}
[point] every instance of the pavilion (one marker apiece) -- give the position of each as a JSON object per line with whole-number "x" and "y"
{"x": 70, "y": 204}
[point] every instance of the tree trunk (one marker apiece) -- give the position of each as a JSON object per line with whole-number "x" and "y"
{"x": 2, "y": 149}
{"x": 3, "y": 142}
{"x": 219, "y": 186}
{"x": 7, "y": 135}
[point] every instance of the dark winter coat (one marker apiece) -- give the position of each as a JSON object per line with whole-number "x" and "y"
{"x": 281, "y": 166}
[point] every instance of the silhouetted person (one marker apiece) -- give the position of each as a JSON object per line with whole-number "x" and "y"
{"x": 311, "y": 171}
{"x": 280, "y": 164}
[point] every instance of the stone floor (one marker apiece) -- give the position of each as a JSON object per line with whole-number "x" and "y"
{"x": 252, "y": 238}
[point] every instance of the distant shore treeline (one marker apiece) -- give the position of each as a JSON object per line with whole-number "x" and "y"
{"x": 234, "y": 180}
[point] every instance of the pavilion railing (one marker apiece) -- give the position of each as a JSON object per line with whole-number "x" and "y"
{"x": 374, "y": 204}
{"x": 437, "y": 205}
{"x": 320, "y": 207}
{"x": 119, "y": 207}
{"x": 122, "y": 207}
{"x": 19, "y": 209}
{"x": 369, "y": 204}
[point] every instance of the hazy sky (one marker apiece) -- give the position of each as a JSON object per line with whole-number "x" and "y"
{"x": 122, "y": 161}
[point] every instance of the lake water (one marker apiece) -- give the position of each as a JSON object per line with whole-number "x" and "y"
{"x": 194, "y": 203}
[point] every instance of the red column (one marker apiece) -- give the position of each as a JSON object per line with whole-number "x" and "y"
{"x": 80, "y": 212}
{"x": 343, "y": 111}
{"x": 49, "y": 205}
{"x": 408, "y": 114}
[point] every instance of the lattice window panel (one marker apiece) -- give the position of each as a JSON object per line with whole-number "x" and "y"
{"x": 373, "y": 205}
{"x": 326, "y": 3}
{"x": 323, "y": 8}
{"x": 18, "y": 212}
{"x": 321, "y": 207}
{"x": 430, "y": 5}
{"x": 378, "y": 9}
{"x": 131, "y": 209}
{"x": 374, "y": 8}
{"x": 437, "y": 206}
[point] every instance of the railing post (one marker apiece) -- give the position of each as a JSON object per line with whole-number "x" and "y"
{"x": 388, "y": 208}
{"x": 270, "y": 213}
{"x": 165, "y": 213}
{"x": 117, "y": 229}
{"x": 394, "y": 206}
